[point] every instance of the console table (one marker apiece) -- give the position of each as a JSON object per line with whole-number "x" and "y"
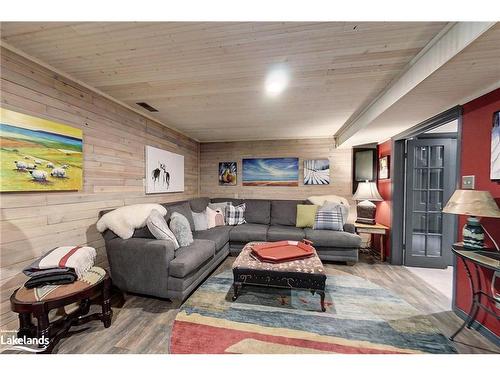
{"x": 374, "y": 229}
{"x": 473, "y": 260}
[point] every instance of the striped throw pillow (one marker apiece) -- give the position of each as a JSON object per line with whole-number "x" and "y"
{"x": 330, "y": 217}
{"x": 235, "y": 215}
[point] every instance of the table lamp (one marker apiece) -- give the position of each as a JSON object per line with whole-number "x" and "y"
{"x": 473, "y": 203}
{"x": 367, "y": 193}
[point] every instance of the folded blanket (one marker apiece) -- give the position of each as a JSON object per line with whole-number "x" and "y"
{"x": 55, "y": 276}
{"x": 124, "y": 220}
{"x": 78, "y": 258}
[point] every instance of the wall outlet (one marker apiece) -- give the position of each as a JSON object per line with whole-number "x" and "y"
{"x": 468, "y": 182}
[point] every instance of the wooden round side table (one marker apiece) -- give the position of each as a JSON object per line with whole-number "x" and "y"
{"x": 93, "y": 288}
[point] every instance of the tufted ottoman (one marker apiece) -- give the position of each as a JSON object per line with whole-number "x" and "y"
{"x": 305, "y": 273}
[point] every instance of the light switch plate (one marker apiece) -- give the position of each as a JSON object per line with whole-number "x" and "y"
{"x": 468, "y": 182}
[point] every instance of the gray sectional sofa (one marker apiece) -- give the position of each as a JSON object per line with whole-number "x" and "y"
{"x": 145, "y": 265}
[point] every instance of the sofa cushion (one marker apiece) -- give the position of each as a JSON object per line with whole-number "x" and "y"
{"x": 306, "y": 213}
{"x": 330, "y": 217}
{"x": 179, "y": 225}
{"x": 282, "y": 232}
{"x": 284, "y": 212}
{"x": 235, "y": 215}
{"x": 183, "y": 208}
{"x": 189, "y": 258}
{"x": 331, "y": 238}
{"x": 258, "y": 211}
{"x": 199, "y": 204}
{"x": 248, "y": 232}
{"x": 200, "y": 220}
{"x": 220, "y": 235}
{"x": 158, "y": 226}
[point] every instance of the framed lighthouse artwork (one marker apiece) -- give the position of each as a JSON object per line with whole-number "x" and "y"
{"x": 164, "y": 171}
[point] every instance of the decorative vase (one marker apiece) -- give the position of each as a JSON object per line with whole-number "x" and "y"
{"x": 473, "y": 234}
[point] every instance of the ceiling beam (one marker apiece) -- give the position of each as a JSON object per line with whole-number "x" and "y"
{"x": 447, "y": 44}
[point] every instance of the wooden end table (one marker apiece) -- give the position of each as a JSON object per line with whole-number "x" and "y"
{"x": 374, "y": 229}
{"x": 30, "y": 303}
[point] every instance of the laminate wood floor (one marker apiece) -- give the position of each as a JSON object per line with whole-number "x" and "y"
{"x": 143, "y": 324}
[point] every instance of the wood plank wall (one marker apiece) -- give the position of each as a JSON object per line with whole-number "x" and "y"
{"x": 213, "y": 153}
{"x": 114, "y": 140}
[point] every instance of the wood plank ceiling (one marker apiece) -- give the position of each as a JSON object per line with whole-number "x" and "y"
{"x": 207, "y": 79}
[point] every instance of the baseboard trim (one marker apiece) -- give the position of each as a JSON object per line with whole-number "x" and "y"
{"x": 478, "y": 327}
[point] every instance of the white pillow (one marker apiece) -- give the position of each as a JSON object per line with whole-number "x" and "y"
{"x": 159, "y": 228}
{"x": 215, "y": 218}
{"x": 200, "y": 220}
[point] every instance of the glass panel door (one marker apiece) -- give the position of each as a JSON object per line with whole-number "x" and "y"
{"x": 430, "y": 182}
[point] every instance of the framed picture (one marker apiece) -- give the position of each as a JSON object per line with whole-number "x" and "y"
{"x": 495, "y": 147}
{"x": 164, "y": 171}
{"x": 39, "y": 154}
{"x": 228, "y": 172}
{"x": 383, "y": 168}
{"x": 271, "y": 172}
{"x": 317, "y": 172}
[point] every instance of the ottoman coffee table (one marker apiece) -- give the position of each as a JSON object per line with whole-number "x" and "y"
{"x": 307, "y": 273}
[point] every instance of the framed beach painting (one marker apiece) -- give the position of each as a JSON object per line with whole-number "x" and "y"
{"x": 383, "y": 168}
{"x": 317, "y": 172}
{"x": 271, "y": 172}
{"x": 228, "y": 172}
{"x": 38, "y": 154}
{"x": 164, "y": 171}
{"x": 495, "y": 147}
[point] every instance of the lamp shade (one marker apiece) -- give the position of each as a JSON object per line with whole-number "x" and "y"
{"x": 367, "y": 191}
{"x": 472, "y": 203}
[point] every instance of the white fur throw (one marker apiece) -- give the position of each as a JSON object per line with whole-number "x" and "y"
{"x": 124, "y": 220}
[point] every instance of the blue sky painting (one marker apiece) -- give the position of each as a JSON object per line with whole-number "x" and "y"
{"x": 271, "y": 172}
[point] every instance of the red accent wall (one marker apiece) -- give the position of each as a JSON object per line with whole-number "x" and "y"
{"x": 475, "y": 160}
{"x": 384, "y": 208}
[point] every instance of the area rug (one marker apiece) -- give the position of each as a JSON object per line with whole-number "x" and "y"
{"x": 361, "y": 317}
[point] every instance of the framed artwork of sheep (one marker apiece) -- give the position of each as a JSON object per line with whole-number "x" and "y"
{"x": 38, "y": 154}
{"x": 164, "y": 171}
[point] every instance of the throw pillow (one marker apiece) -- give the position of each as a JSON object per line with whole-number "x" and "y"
{"x": 221, "y": 206}
{"x": 306, "y": 214}
{"x": 179, "y": 225}
{"x": 200, "y": 220}
{"x": 215, "y": 218}
{"x": 158, "y": 227}
{"x": 329, "y": 218}
{"x": 235, "y": 215}
{"x": 343, "y": 208}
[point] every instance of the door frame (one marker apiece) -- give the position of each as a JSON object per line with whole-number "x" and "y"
{"x": 398, "y": 172}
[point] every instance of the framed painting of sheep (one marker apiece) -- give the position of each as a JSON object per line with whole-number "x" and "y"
{"x": 164, "y": 171}
{"x": 38, "y": 154}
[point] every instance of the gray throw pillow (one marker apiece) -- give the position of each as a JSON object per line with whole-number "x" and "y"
{"x": 329, "y": 217}
{"x": 179, "y": 225}
{"x": 200, "y": 220}
{"x": 159, "y": 228}
{"x": 335, "y": 206}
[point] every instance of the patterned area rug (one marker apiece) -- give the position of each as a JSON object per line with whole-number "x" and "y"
{"x": 361, "y": 317}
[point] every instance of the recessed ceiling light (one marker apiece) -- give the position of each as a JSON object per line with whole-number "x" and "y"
{"x": 276, "y": 80}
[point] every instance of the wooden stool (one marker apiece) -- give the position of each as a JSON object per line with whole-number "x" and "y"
{"x": 93, "y": 288}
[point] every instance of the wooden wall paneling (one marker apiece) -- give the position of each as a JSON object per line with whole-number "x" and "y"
{"x": 213, "y": 153}
{"x": 114, "y": 140}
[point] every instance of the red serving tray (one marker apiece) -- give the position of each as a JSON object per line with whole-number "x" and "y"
{"x": 282, "y": 251}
